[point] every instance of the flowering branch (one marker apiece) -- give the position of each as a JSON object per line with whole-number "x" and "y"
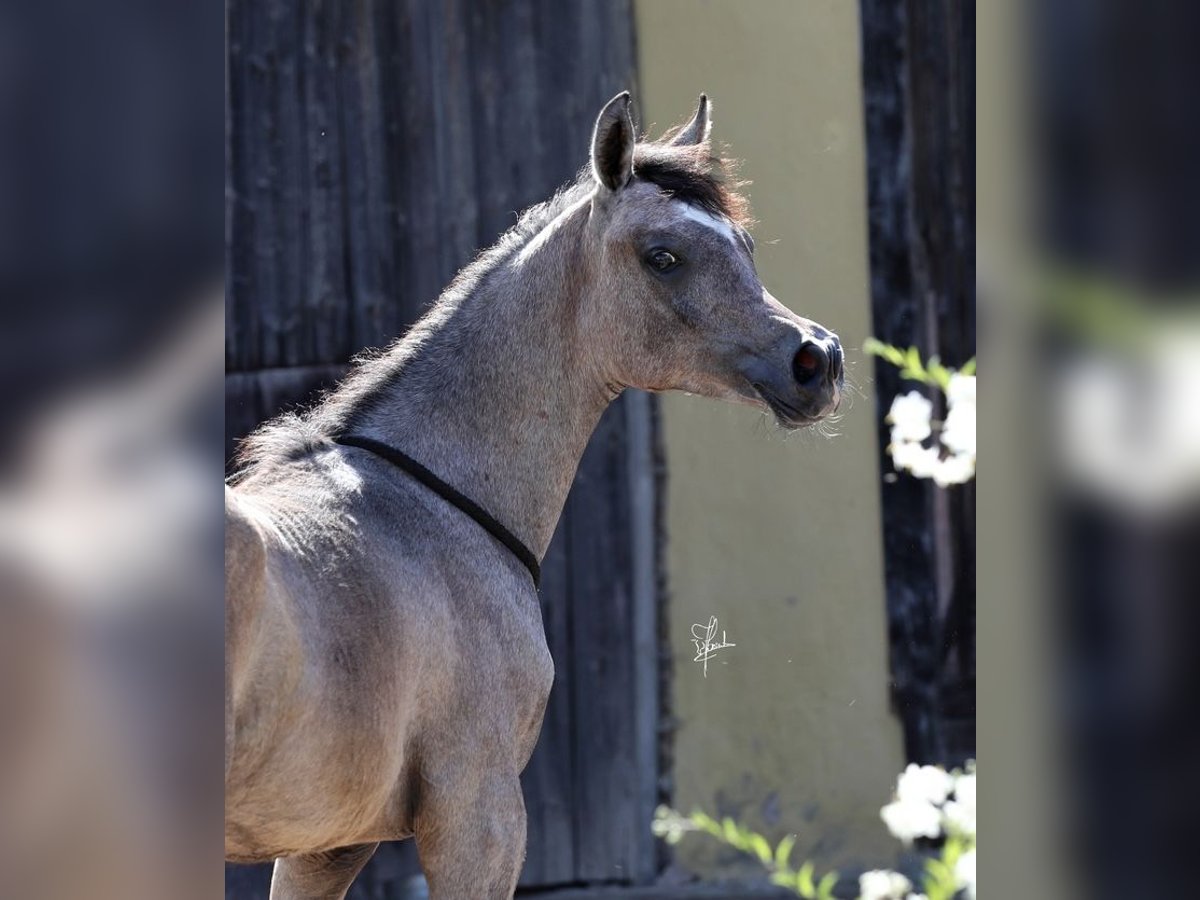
{"x": 950, "y": 458}
{"x": 910, "y": 365}
{"x": 928, "y": 803}
{"x": 671, "y": 827}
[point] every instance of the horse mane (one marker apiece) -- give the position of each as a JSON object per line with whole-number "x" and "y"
{"x": 692, "y": 173}
{"x": 696, "y": 175}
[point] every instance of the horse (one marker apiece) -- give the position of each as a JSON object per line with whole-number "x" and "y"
{"x": 386, "y": 664}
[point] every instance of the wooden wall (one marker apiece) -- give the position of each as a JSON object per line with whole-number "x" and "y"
{"x": 919, "y": 94}
{"x": 373, "y": 148}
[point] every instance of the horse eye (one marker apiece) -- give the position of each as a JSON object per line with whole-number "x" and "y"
{"x": 662, "y": 260}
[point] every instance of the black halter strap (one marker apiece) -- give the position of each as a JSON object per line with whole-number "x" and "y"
{"x": 451, "y": 495}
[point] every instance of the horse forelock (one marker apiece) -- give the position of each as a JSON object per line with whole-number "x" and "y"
{"x": 696, "y": 175}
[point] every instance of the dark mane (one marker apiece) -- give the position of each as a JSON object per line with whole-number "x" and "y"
{"x": 693, "y": 174}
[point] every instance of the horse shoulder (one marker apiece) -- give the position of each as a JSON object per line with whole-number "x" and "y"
{"x": 507, "y": 669}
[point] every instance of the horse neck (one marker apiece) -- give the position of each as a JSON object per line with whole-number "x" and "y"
{"x": 493, "y": 393}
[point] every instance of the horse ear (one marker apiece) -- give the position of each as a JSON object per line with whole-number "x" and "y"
{"x": 612, "y": 144}
{"x": 695, "y": 131}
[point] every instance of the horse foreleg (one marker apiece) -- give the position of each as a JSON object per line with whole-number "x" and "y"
{"x": 472, "y": 845}
{"x": 319, "y": 876}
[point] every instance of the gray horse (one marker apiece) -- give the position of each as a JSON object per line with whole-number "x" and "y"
{"x": 386, "y": 666}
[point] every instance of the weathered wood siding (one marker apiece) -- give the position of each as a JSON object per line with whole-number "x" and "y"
{"x": 374, "y": 148}
{"x": 919, "y": 92}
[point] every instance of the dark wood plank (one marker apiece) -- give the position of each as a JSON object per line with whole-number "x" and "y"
{"x": 918, "y": 70}
{"x": 254, "y": 397}
{"x": 603, "y": 667}
{"x": 241, "y": 320}
{"x": 365, "y": 118}
{"x": 247, "y": 882}
{"x": 549, "y": 778}
{"x": 642, "y": 445}
{"x": 320, "y": 199}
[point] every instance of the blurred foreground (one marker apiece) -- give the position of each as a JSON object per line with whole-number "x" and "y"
{"x": 111, "y": 649}
{"x": 1089, "y": 264}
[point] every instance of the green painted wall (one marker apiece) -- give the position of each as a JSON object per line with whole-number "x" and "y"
{"x": 779, "y": 536}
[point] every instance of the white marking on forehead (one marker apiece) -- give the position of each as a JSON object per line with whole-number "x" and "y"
{"x": 721, "y": 225}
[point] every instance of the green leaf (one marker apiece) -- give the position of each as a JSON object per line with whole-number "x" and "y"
{"x": 939, "y": 870}
{"x": 804, "y": 880}
{"x": 784, "y": 850}
{"x": 912, "y": 360}
{"x": 783, "y": 879}
{"x": 939, "y": 373}
{"x": 825, "y": 888}
{"x": 874, "y": 346}
{"x": 759, "y": 845}
{"x": 730, "y": 831}
{"x": 968, "y": 367}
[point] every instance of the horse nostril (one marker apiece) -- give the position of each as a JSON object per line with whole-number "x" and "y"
{"x": 809, "y": 362}
{"x": 835, "y": 362}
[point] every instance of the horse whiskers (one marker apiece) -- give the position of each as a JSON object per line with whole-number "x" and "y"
{"x": 850, "y": 385}
{"x": 825, "y": 427}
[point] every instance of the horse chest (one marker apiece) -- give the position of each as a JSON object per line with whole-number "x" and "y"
{"x": 504, "y": 654}
{"x": 503, "y": 673}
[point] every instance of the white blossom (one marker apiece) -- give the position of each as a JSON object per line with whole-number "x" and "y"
{"x": 928, "y": 783}
{"x": 881, "y": 884}
{"x": 958, "y": 468}
{"x": 927, "y": 465}
{"x": 964, "y": 788}
{"x": 961, "y": 389}
{"x": 911, "y": 819}
{"x": 916, "y": 897}
{"x": 669, "y": 825}
{"x": 964, "y": 873}
{"x": 959, "y": 818}
{"x": 958, "y": 431}
{"x": 959, "y": 813}
{"x": 912, "y": 456}
{"x": 910, "y": 416}
{"x": 1127, "y": 430}
{"x": 951, "y": 459}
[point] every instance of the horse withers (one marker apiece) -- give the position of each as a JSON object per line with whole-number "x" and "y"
{"x": 386, "y": 665}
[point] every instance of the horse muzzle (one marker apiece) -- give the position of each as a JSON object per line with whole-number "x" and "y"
{"x": 805, "y": 390}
